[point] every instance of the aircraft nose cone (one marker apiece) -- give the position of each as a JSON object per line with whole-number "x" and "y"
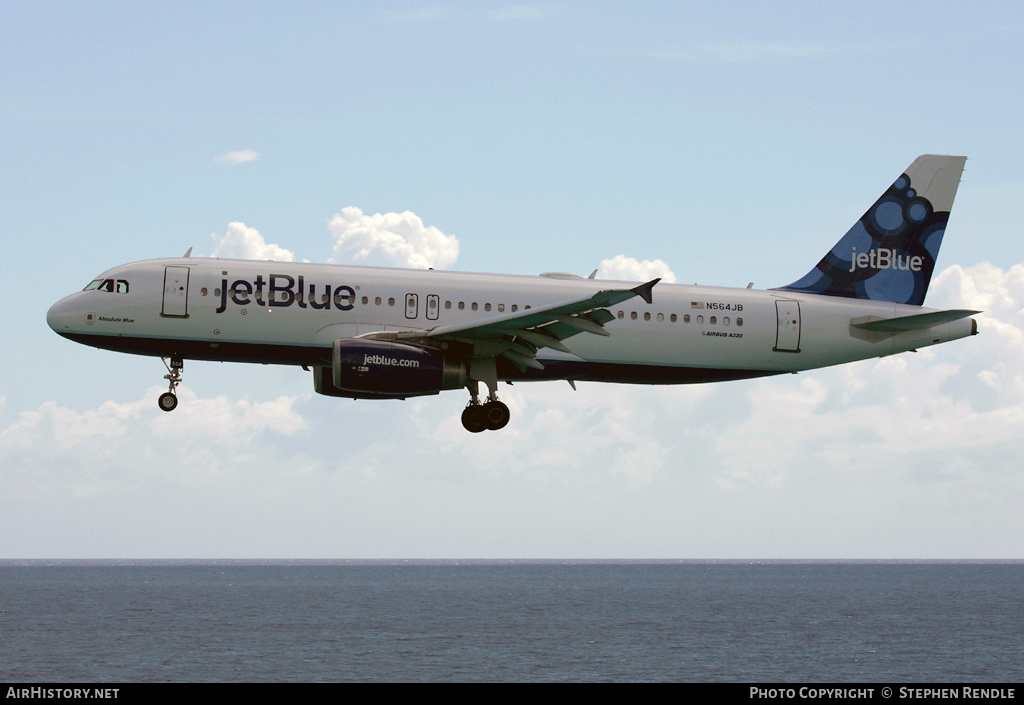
{"x": 61, "y": 315}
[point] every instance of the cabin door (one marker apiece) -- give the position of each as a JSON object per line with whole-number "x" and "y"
{"x": 175, "y": 292}
{"x": 787, "y": 336}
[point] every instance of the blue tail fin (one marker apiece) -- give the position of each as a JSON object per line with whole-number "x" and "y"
{"x": 889, "y": 254}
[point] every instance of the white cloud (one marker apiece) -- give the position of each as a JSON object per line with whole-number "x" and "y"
{"x": 995, "y": 355}
{"x": 390, "y": 239}
{"x": 243, "y": 242}
{"x": 101, "y": 450}
{"x": 984, "y": 287}
{"x": 240, "y": 157}
{"x": 632, "y": 269}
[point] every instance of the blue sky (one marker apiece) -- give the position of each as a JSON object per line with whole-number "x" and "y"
{"x": 734, "y": 142}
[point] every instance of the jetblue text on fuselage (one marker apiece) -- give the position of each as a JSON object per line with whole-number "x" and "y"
{"x": 883, "y": 258}
{"x": 283, "y": 290}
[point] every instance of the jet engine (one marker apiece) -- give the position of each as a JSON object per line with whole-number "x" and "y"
{"x": 384, "y": 369}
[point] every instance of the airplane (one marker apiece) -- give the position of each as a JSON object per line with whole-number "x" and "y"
{"x": 386, "y": 333}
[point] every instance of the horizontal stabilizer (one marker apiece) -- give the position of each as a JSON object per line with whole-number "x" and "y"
{"x": 916, "y": 322}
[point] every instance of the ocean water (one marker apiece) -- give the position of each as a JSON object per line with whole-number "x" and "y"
{"x": 763, "y": 622}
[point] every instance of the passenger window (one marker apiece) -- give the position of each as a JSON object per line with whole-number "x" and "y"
{"x": 739, "y": 321}
{"x": 673, "y": 318}
{"x": 713, "y": 320}
{"x": 204, "y": 291}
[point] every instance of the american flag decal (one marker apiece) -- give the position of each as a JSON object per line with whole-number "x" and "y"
{"x": 696, "y": 304}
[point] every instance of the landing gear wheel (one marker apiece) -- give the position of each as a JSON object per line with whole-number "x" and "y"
{"x": 474, "y": 419}
{"x": 496, "y": 414}
{"x": 167, "y": 402}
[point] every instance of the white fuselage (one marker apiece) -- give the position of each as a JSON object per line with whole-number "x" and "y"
{"x": 291, "y": 313}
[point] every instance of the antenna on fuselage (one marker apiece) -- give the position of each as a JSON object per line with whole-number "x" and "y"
{"x": 188, "y": 254}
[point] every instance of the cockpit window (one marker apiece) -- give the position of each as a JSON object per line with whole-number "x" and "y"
{"x": 111, "y": 285}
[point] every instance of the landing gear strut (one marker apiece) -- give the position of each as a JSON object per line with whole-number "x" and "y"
{"x": 168, "y": 401}
{"x": 492, "y": 415}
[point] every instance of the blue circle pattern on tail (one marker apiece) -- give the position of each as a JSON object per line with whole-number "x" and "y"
{"x": 888, "y": 255}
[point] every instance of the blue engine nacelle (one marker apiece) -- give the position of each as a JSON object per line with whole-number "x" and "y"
{"x": 375, "y": 369}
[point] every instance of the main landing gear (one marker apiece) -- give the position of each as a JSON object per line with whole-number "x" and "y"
{"x": 168, "y": 401}
{"x": 491, "y": 415}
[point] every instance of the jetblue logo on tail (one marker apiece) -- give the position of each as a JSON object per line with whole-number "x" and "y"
{"x": 889, "y": 254}
{"x": 884, "y": 259}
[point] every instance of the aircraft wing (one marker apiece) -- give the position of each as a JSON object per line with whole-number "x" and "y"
{"x": 518, "y": 335}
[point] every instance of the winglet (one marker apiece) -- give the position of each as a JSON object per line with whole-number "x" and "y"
{"x": 644, "y": 290}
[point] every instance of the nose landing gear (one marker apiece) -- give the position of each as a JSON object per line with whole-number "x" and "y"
{"x": 168, "y": 401}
